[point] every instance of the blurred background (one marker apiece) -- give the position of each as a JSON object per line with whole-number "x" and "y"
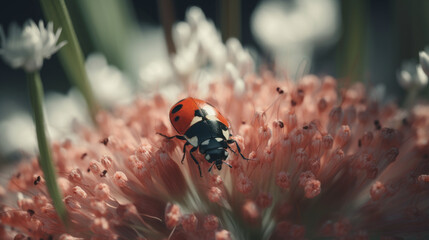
{"x": 358, "y": 40}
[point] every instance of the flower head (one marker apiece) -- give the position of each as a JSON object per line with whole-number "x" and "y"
{"x": 26, "y": 48}
{"x": 319, "y": 167}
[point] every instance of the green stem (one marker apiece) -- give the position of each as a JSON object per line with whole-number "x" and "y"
{"x": 230, "y": 19}
{"x": 410, "y": 99}
{"x": 71, "y": 54}
{"x": 45, "y": 159}
{"x": 351, "y": 55}
{"x": 95, "y": 15}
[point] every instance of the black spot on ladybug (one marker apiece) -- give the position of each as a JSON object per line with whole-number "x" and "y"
{"x": 30, "y": 212}
{"x": 105, "y": 141}
{"x": 305, "y": 127}
{"x": 103, "y": 174}
{"x": 176, "y": 118}
{"x": 88, "y": 170}
{"x": 360, "y": 143}
{"x": 281, "y": 124}
{"x": 37, "y": 180}
{"x": 83, "y": 156}
{"x": 177, "y": 108}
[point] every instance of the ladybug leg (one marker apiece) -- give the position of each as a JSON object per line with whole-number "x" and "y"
{"x": 232, "y": 150}
{"x": 195, "y": 160}
{"x": 238, "y": 147}
{"x": 184, "y": 151}
{"x": 211, "y": 166}
{"x": 171, "y": 137}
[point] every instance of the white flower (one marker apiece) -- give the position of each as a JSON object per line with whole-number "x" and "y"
{"x": 110, "y": 85}
{"x": 17, "y": 133}
{"x": 62, "y": 111}
{"x": 292, "y": 30}
{"x": 411, "y": 76}
{"x": 26, "y": 48}
{"x": 200, "y": 57}
{"x": 424, "y": 60}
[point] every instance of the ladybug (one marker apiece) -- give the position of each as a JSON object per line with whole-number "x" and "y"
{"x": 203, "y": 127}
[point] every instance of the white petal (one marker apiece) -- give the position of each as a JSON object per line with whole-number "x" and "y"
{"x": 404, "y": 79}
{"x": 424, "y": 61}
{"x": 421, "y": 78}
{"x": 26, "y": 48}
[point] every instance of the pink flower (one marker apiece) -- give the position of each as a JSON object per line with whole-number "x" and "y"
{"x": 321, "y": 165}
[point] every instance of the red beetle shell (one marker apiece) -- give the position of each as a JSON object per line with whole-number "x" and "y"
{"x": 183, "y": 112}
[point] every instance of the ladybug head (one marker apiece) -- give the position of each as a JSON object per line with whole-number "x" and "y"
{"x": 216, "y": 156}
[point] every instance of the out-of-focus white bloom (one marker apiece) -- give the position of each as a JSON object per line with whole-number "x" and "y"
{"x": 145, "y": 47}
{"x": 17, "y": 133}
{"x": 234, "y": 48}
{"x": 181, "y": 34}
{"x": 64, "y": 110}
{"x": 109, "y": 84}
{"x": 185, "y": 62}
{"x": 155, "y": 75}
{"x": 377, "y": 93}
{"x": 26, "y": 48}
{"x": 411, "y": 76}
{"x": 200, "y": 56}
{"x": 158, "y": 76}
{"x": 195, "y": 16}
{"x": 424, "y": 60}
{"x": 280, "y": 23}
{"x": 290, "y": 30}
{"x": 232, "y": 75}
{"x": 199, "y": 44}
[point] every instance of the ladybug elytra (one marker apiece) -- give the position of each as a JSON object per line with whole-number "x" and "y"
{"x": 203, "y": 127}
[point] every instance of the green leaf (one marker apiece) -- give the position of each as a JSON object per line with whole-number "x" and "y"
{"x": 71, "y": 54}
{"x": 45, "y": 159}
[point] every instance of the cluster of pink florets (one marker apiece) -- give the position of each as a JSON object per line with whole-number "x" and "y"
{"x": 322, "y": 164}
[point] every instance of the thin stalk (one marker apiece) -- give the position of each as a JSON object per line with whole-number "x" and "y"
{"x": 352, "y": 54}
{"x": 111, "y": 41}
{"x": 230, "y": 19}
{"x": 45, "y": 158}
{"x": 71, "y": 54}
{"x": 166, "y": 12}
